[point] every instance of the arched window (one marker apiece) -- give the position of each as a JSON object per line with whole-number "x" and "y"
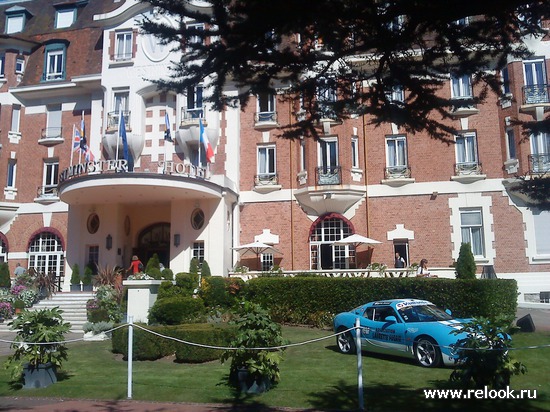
{"x": 3, "y": 248}
{"x": 155, "y": 239}
{"x": 46, "y": 254}
{"x": 324, "y": 254}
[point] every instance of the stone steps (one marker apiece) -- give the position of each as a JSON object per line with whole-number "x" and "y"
{"x": 73, "y": 305}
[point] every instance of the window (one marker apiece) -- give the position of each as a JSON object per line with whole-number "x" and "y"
{"x": 510, "y": 144}
{"x": 65, "y": 18}
{"x": 93, "y": 256}
{"x": 195, "y": 38}
{"x": 396, "y": 152}
{"x": 396, "y": 95}
{"x": 121, "y": 101}
{"x": 267, "y": 261}
{"x": 355, "y": 152}
{"x": 461, "y": 87}
{"x": 198, "y": 251}
{"x": 50, "y": 180}
{"x": 46, "y": 254}
{"x": 15, "y": 23}
{"x": 12, "y": 172}
{"x": 266, "y": 162}
{"x": 3, "y": 248}
{"x": 466, "y": 149}
{"x": 266, "y": 108}
{"x": 540, "y": 149}
{"x": 123, "y": 46}
{"x": 463, "y": 22}
{"x": 2, "y": 64}
{"x": 535, "y": 82}
{"x": 328, "y": 169}
{"x": 302, "y": 155}
{"x": 541, "y": 220}
{"x": 505, "y": 77}
{"x": 471, "y": 226}
{"x": 55, "y": 62}
{"x": 20, "y": 65}
{"x": 53, "y": 126}
{"x": 326, "y": 95}
{"x": 15, "y": 117}
{"x": 194, "y": 103}
{"x": 324, "y": 254}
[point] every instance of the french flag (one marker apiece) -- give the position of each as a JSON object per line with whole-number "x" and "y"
{"x": 205, "y": 143}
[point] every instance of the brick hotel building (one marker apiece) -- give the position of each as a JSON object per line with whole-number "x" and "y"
{"x": 75, "y": 67}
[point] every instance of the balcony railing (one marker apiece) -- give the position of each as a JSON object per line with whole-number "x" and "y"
{"x": 468, "y": 169}
{"x": 52, "y": 133}
{"x": 191, "y": 115}
{"x": 539, "y": 163}
{"x": 329, "y": 175}
{"x": 397, "y": 172}
{"x": 265, "y": 117}
{"x": 266, "y": 180}
{"x": 536, "y": 93}
{"x": 113, "y": 120}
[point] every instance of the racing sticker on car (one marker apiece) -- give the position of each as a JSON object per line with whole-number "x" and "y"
{"x": 386, "y": 334}
{"x": 414, "y": 303}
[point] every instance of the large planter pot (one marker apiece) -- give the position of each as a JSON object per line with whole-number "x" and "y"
{"x": 247, "y": 383}
{"x": 76, "y": 288}
{"x": 87, "y": 288}
{"x": 39, "y": 377}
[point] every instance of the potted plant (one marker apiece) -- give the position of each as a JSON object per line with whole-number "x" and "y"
{"x": 254, "y": 371}
{"x": 44, "y": 283}
{"x": 75, "y": 279}
{"x": 38, "y": 353}
{"x": 18, "y": 306}
{"x": 87, "y": 279}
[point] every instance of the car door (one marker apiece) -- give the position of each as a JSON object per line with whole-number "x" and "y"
{"x": 380, "y": 335}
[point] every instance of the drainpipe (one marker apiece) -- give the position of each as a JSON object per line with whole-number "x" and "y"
{"x": 291, "y": 193}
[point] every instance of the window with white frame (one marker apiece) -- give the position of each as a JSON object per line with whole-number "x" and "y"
{"x": 396, "y": 152}
{"x": 121, "y": 101}
{"x": 46, "y": 254}
{"x": 471, "y": 228}
{"x": 266, "y": 162}
{"x": 65, "y": 18}
{"x": 461, "y": 87}
{"x": 198, "y": 251}
{"x": 466, "y": 148}
{"x": 355, "y": 152}
{"x": 54, "y": 65}
{"x": 50, "y": 180}
{"x": 540, "y": 149}
{"x": 15, "y": 23}
{"x": 326, "y": 95}
{"x": 15, "y": 118}
{"x": 20, "y": 65}
{"x": 303, "y": 164}
{"x": 3, "y": 249}
{"x": 53, "y": 126}
{"x": 194, "y": 108}
{"x": 396, "y": 95}
{"x": 2, "y": 64}
{"x": 267, "y": 261}
{"x": 541, "y": 220}
{"x": 510, "y": 143}
{"x": 505, "y": 78}
{"x": 197, "y": 37}
{"x": 266, "y": 108}
{"x": 12, "y": 173}
{"x": 124, "y": 43}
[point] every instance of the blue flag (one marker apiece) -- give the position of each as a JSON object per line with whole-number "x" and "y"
{"x": 122, "y": 134}
{"x": 167, "y": 135}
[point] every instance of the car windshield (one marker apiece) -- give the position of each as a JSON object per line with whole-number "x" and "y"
{"x": 423, "y": 313}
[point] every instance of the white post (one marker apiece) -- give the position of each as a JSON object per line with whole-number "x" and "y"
{"x": 359, "y": 364}
{"x": 130, "y": 353}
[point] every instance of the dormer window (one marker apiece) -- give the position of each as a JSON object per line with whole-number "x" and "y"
{"x": 54, "y": 62}
{"x": 20, "y": 65}
{"x": 65, "y": 17}
{"x": 16, "y": 17}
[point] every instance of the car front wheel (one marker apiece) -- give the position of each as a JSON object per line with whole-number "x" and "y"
{"x": 427, "y": 353}
{"x": 346, "y": 343}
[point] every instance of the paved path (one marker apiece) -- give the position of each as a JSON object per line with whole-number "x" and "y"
{"x": 540, "y": 317}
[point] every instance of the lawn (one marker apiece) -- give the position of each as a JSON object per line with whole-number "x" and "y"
{"x": 313, "y": 375}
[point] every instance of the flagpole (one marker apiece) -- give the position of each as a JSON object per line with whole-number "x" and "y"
{"x": 72, "y": 145}
{"x": 200, "y": 140}
{"x": 118, "y": 137}
{"x": 165, "y": 145}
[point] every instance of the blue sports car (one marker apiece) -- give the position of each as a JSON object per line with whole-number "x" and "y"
{"x": 410, "y": 328}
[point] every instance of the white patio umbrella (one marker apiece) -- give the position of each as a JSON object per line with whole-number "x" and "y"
{"x": 357, "y": 240}
{"x": 255, "y": 248}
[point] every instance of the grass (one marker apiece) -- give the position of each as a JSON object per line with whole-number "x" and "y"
{"x": 312, "y": 376}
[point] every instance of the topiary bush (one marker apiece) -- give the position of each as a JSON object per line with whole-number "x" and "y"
{"x": 205, "y": 269}
{"x": 75, "y": 276}
{"x": 219, "y": 291}
{"x": 5, "y": 280}
{"x": 177, "y": 310}
{"x": 465, "y": 264}
{"x": 194, "y": 266}
{"x": 187, "y": 282}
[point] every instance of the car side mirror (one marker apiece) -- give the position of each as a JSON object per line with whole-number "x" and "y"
{"x": 448, "y": 312}
{"x": 391, "y": 319}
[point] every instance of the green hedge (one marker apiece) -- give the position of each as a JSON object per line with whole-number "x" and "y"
{"x": 313, "y": 300}
{"x": 177, "y": 310}
{"x": 149, "y": 346}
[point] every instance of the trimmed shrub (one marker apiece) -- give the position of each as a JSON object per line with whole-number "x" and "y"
{"x": 168, "y": 274}
{"x": 188, "y": 282}
{"x": 465, "y": 264}
{"x": 219, "y": 291}
{"x": 177, "y": 310}
{"x": 194, "y": 266}
{"x": 152, "y": 263}
{"x": 5, "y": 280}
{"x": 205, "y": 269}
{"x": 148, "y": 346}
{"x": 155, "y": 273}
{"x": 75, "y": 276}
{"x": 309, "y": 300}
